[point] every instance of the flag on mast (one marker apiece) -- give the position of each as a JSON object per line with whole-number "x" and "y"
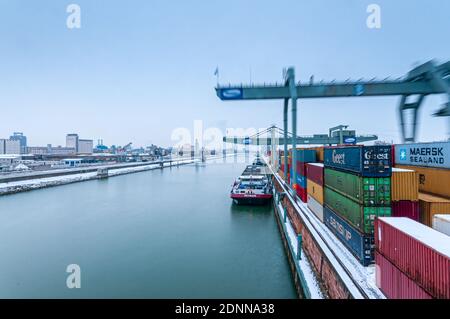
{"x": 216, "y": 72}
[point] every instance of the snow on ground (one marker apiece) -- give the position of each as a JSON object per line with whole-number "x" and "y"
{"x": 345, "y": 263}
{"x": 303, "y": 264}
{"x": 365, "y": 276}
{"x": 21, "y": 186}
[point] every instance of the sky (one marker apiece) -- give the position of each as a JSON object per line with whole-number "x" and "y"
{"x": 138, "y": 70}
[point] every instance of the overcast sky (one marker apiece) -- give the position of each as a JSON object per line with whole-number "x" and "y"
{"x": 137, "y": 70}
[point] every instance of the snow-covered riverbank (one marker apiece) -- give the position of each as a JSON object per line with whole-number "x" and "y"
{"x": 31, "y": 184}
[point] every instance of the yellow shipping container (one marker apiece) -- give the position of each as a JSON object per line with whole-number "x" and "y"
{"x": 431, "y": 205}
{"x": 404, "y": 185}
{"x": 432, "y": 180}
{"x": 315, "y": 190}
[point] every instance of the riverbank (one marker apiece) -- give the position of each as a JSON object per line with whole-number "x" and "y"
{"x": 68, "y": 177}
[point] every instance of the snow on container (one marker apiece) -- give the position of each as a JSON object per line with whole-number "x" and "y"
{"x": 315, "y": 190}
{"x": 431, "y": 205}
{"x": 436, "y": 154}
{"x": 432, "y": 180}
{"x": 315, "y": 207}
{"x": 314, "y": 172}
{"x": 406, "y": 208}
{"x": 404, "y": 185}
{"x": 369, "y": 191}
{"x": 441, "y": 223}
{"x": 359, "y": 216}
{"x": 420, "y": 252}
{"x": 368, "y": 161}
{"x": 360, "y": 245}
{"x": 395, "y": 284}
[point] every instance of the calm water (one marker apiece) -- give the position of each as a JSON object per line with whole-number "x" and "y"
{"x": 166, "y": 233}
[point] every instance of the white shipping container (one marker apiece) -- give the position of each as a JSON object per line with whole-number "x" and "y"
{"x": 441, "y": 223}
{"x": 315, "y": 207}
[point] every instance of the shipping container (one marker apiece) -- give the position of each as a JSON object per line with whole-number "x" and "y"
{"x": 404, "y": 185}
{"x": 432, "y": 180}
{"x": 420, "y": 252}
{"x": 305, "y": 155}
{"x": 368, "y": 191}
{"x": 301, "y": 180}
{"x": 394, "y": 283}
{"x": 406, "y": 208}
{"x": 431, "y": 205}
{"x": 361, "y": 217}
{"x": 301, "y": 168}
{"x": 314, "y": 172}
{"x": 319, "y": 153}
{"x": 315, "y": 207}
{"x": 367, "y": 161}
{"x": 362, "y": 246}
{"x": 441, "y": 223}
{"x": 315, "y": 190}
{"x": 435, "y": 154}
{"x": 302, "y": 193}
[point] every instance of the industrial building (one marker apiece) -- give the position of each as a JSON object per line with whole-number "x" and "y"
{"x": 9, "y": 146}
{"x": 81, "y": 146}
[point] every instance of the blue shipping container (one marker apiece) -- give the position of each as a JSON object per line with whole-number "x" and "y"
{"x": 306, "y": 156}
{"x": 360, "y": 245}
{"x": 367, "y": 161}
{"x": 301, "y": 180}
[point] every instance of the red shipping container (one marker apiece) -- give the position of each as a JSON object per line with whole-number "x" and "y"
{"x": 420, "y": 252}
{"x": 314, "y": 172}
{"x": 406, "y": 208}
{"x": 302, "y": 193}
{"x": 301, "y": 168}
{"x": 395, "y": 284}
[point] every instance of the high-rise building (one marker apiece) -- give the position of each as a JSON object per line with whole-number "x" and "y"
{"x": 85, "y": 146}
{"x": 9, "y": 147}
{"x": 18, "y": 136}
{"x": 72, "y": 141}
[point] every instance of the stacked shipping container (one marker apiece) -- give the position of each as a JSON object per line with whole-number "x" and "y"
{"x": 357, "y": 189}
{"x": 405, "y": 193}
{"x": 413, "y": 260}
{"x": 303, "y": 156}
{"x": 431, "y": 161}
{"x": 314, "y": 172}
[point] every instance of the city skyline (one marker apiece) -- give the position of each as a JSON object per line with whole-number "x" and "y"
{"x": 142, "y": 78}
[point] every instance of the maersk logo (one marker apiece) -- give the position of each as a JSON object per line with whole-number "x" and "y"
{"x": 403, "y": 154}
{"x": 232, "y": 94}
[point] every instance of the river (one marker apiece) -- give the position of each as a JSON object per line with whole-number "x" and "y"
{"x": 171, "y": 233}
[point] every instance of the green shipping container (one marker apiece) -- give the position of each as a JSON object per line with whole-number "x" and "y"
{"x": 360, "y": 216}
{"x": 369, "y": 191}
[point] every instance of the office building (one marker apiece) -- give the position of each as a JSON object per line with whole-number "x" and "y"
{"x": 85, "y": 146}
{"x": 18, "y": 136}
